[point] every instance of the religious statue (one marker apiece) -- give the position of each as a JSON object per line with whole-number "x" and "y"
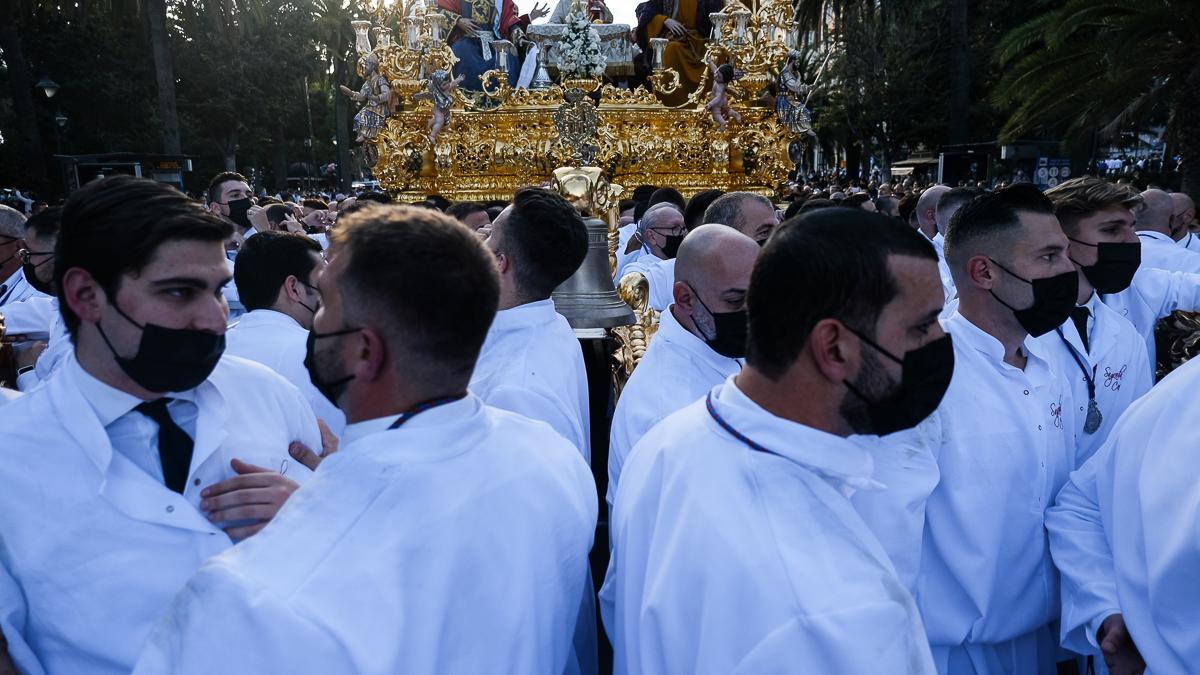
{"x": 597, "y": 11}
{"x": 686, "y": 25}
{"x": 376, "y": 97}
{"x": 475, "y": 24}
{"x": 791, "y": 102}
{"x": 718, "y": 102}
{"x": 441, "y": 93}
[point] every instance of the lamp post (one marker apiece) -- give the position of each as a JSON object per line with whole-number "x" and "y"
{"x": 48, "y": 86}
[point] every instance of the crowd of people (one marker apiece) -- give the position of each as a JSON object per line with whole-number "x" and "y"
{"x": 881, "y": 428}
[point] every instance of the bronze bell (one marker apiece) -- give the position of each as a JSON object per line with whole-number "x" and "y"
{"x": 589, "y": 298}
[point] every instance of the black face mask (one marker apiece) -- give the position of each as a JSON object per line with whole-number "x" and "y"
{"x": 730, "y": 331}
{"x": 169, "y": 359}
{"x": 239, "y": 212}
{"x": 671, "y": 247}
{"x": 315, "y": 307}
{"x": 1116, "y": 263}
{"x": 30, "y": 270}
{"x": 1053, "y": 299}
{"x": 925, "y": 376}
{"x": 330, "y": 389}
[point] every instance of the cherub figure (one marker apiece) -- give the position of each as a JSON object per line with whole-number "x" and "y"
{"x": 441, "y": 93}
{"x": 718, "y": 102}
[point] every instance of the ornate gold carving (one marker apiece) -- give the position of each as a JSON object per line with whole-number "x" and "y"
{"x": 633, "y": 340}
{"x": 1178, "y": 340}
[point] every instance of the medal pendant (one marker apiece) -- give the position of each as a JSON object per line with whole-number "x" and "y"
{"x": 1094, "y": 418}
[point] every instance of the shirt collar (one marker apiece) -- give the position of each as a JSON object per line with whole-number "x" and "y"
{"x": 523, "y": 316}
{"x": 108, "y": 402}
{"x": 1154, "y": 234}
{"x": 441, "y": 415}
{"x": 271, "y": 317}
{"x": 968, "y": 334}
{"x": 847, "y": 465}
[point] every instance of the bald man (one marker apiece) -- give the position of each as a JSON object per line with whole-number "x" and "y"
{"x": 927, "y": 214}
{"x": 1185, "y": 221}
{"x": 1156, "y": 228}
{"x": 700, "y": 341}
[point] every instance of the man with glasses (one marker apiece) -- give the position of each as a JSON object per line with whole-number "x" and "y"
{"x": 13, "y": 286}
{"x": 39, "y": 315}
{"x": 662, "y": 229}
{"x": 276, "y": 276}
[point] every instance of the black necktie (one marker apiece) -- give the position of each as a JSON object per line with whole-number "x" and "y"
{"x": 3, "y": 293}
{"x": 1079, "y": 316}
{"x": 174, "y": 445}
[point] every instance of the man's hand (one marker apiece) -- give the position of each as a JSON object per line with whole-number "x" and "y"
{"x": 1120, "y": 653}
{"x": 539, "y": 11}
{"x": 676, "y": 28}
{"x": 258, "y": 218}
{"x": 291, "y": 225}
{"x": 467, "y": 26}
{"x": 303, "y": 454}
{"x": 318, "y": 220}
{"x": 254, "y": 494}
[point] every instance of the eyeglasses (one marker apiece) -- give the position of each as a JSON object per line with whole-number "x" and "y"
{"x": 681, "y": 230}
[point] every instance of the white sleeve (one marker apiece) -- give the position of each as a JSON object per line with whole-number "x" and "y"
{"x": 1167, "y": 292}
{"x": 14, "y": 614}
{"x": 1083, "y": 556}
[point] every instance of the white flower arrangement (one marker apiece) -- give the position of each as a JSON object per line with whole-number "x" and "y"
{"x": 579, "y": 52}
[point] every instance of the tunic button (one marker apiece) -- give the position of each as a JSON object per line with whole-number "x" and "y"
{"x": 1026, "y": 392}
{"x": 197, "y": 481}
{"x": 170, "y": 509}
{"x": 1039, "y": 427}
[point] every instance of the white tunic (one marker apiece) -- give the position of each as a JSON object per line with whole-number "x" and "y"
{"x": 1162, "y": 252}
{"x": 1118, "y": 365}
{"x": 95, "y": 545}
{"x": 731, "y": 560}
{"x": 457, "y": 543}
{"x": 1190, "y": 241}
{"x": 1153, "y": 295}
{"x": 277, "y": 341}
{"x": 532, "y": 364}
{"x": 661, "y": 276}
{"x": 624, "y": 234}
{"x": 1124, "y": 532}
{"x": 987, "y": 588}
{"x": 16, "y": 289}
{"x": 676, "y": 369}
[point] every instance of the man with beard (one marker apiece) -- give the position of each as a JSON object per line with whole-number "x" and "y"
{"x": 779, "y": 573}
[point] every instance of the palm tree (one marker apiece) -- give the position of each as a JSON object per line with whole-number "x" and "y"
{"x": 1103, "y": 65}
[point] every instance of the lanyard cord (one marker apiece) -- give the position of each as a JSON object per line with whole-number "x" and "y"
{"x": 1090, "y": 378}
{"x": 712, "y": 412}
{"x": 422, "y": 407}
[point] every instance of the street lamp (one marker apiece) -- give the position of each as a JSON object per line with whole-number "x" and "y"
{"x": 61, "y": 120}
{"x": 48, "y": 86}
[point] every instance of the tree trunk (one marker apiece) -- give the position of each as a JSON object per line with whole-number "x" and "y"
{"x": 1186, "y": 114}
{"x": 960, "y": 73}
{"x": 279, "y": 163}
{"x": 164, "y": 75}
{"x": 341, "y": 117}
{"x": 29, "y": 139}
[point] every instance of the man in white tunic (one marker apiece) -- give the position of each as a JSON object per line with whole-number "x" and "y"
{"x": 1123, "y": 534}
{"x": 148, "y": 451}
{"x": 1184, "y": 221}
{"x": 445, "y": 536}
{"x": 1157, "y": 227}
{"x": 276, "y": 276}
{"x": 948, "y": 204}
{"x": 751, "y": 214}
{"x": 736, "y": 548}
{"x": 987, "y": 588}
{"x": 1102, "y": 354}
{"x": 700, "y": 342}
{"x": 531, "y": 362}
{"x": 662, "y": 229}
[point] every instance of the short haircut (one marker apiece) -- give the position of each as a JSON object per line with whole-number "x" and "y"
{"x": 277, "y": 213}
{"x": 856, "y": 200}
{"x": 641, "y": 194}
{"x": 955, "y": 198}
{"x": 693, "y": 215}
{"x": 438, "y": 202}
{"x": 115, "y": 225}
{"x": 727, "y": 209}
{"x": 793, "y": 208}
{"x": 377, "y": 197}
{"x": 461, "y": 210}
{"x": 886, "y": 204}
{"x": 214, "y": 185}
{"x": 12, "y": 222}
{"x": 988, "y": 216}
{"x": 547, "y": 240}
{"x": 1079, "y": 198}
{"x": 650, "y": 219}
{"x": 815, "y": 204}
{"x": 314, "y": 203}
{"x": 625, "y": 205}
{"x": 908, "y": 204}
{"x": 427, "y": 279}
{"x": 266, "y": 260}
{"x": 44, "y": 223}
{"x": 829, "y": 264}
{"x": 667, "y": 194}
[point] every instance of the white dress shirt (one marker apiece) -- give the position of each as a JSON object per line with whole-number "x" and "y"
{"x": 1116, "y": 362}
{"x": 58, "y": 347}
{"x": 1123, "y": 532}
{"x": 1160, "y": 251}
{"x": 987, "y": 588}
{"x": 93, "y": 545}
{"x": 1190, "y": 241}
{"x": 1153, "y": 295}
{"x": 8, "y": 395}
{"x": 660, "y": 274}
{"x": 731, "y": 560}
{"x": 457, "y": 543}
{"x": 14, "y": 289}
{"x": 676, "y": 369}
{"x": 277, "y": 341}
{"x": 531, "y": 363}
{"x": 939, "y": 243}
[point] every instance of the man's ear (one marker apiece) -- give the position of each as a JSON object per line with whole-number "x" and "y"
{"x": 683, "y": 296}
{"x": 83, "y": 295}
{"x": 371, "y": 357}
{"x": 980, "y": 271}
{"x": 832, "y": 347}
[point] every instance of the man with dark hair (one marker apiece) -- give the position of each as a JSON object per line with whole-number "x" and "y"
{"x": 860, "y": 200}
{"x": 822, "y": 364}
{"x": 276, "y": 275}
{"x": 444, "y": 533}
{"x": 39, "y": 313}
{"x": 282, "y": 217}
{"x": 887, "y": 205}
{"x": 751, "y": 214}
{"x": 472, "y": 214}
{"x": 987, "y": 587}
{"x": 149, "y": 450}
{"x": 693, "y": 215}
{"x": 230, "y": 199}
{"x": 531, "y": 362}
